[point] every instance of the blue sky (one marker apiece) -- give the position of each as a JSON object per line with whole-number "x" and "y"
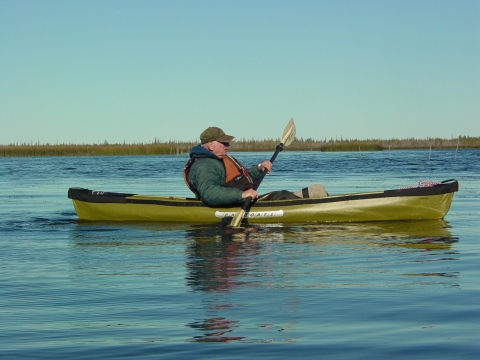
{"x": 89, "y": 71}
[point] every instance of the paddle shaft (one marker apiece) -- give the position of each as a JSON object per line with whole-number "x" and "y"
{"x": 287, "y": 138}
{"x": 249, "y": 200}
{"x": 264, "y": 172}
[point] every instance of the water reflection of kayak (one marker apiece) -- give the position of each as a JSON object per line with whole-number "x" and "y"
{"x": 425, "y": 234}
{"x": 432, "y": 202}
{"x": 218, "y": 259}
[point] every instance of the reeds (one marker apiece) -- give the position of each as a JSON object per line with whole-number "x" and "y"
{"x": 353, "y": 146}
{"x": 95, "y": 150}
{"x": 242, "y": 145}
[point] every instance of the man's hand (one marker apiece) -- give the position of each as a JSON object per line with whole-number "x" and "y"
{"x": 265, "y": 165}
{"x": 249, "y": 193}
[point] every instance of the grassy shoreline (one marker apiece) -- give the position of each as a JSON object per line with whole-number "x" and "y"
{"x": 176, "y": 148}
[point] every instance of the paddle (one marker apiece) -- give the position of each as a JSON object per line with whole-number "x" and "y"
{"x": 287, "y": 138}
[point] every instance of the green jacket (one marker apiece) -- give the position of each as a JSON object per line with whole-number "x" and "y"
{"x": 207, "y": 175}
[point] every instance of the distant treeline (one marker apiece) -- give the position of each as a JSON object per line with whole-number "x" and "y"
{"x": 178, "y": 147}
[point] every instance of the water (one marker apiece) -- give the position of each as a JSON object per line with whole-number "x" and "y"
{"x": 80, "y": 290}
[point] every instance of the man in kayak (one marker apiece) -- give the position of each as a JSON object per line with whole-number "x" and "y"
{"x": 219, "y": 179}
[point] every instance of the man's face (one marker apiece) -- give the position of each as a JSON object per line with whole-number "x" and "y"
{"x": 218, "y": 148}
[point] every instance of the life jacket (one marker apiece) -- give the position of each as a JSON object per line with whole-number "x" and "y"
{"x": 236, "y": 175}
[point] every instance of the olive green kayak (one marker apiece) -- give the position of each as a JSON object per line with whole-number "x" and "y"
{"x": 414, "y": 203}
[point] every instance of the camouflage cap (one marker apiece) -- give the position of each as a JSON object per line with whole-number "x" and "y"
{"x": 214, "y": 134}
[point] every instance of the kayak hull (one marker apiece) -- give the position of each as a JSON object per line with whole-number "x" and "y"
{"x": 401, "y": 204}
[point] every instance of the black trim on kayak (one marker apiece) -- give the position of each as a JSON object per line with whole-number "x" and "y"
{"x": 94, "y": 196}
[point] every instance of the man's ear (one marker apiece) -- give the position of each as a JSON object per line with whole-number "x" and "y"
{"x": 210, "y": 146}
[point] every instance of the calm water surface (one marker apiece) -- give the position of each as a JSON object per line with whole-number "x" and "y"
{"x": 79, "y": 290}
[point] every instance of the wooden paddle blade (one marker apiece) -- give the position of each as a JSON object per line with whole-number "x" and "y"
{"x": 237, "y": 219}
{"x": 289, "y": 133}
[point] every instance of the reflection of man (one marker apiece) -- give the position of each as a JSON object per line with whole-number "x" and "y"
{"x": 212, "y": 259}
{"x": 212, "y": 263}
{"x": 215, "y": 330}
{"x": 217, "y": 260}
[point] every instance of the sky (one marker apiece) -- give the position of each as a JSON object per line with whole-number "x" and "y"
{"x": 89, "y": 71}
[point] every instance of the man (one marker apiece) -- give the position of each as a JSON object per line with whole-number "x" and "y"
{"x": 216, "y": 178}
{"x": 220, "y": 180}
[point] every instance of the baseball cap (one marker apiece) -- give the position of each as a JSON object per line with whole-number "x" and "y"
{"x": 214, "y": 134}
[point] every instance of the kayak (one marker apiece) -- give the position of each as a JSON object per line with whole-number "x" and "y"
{"x": 413, "y": 203}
